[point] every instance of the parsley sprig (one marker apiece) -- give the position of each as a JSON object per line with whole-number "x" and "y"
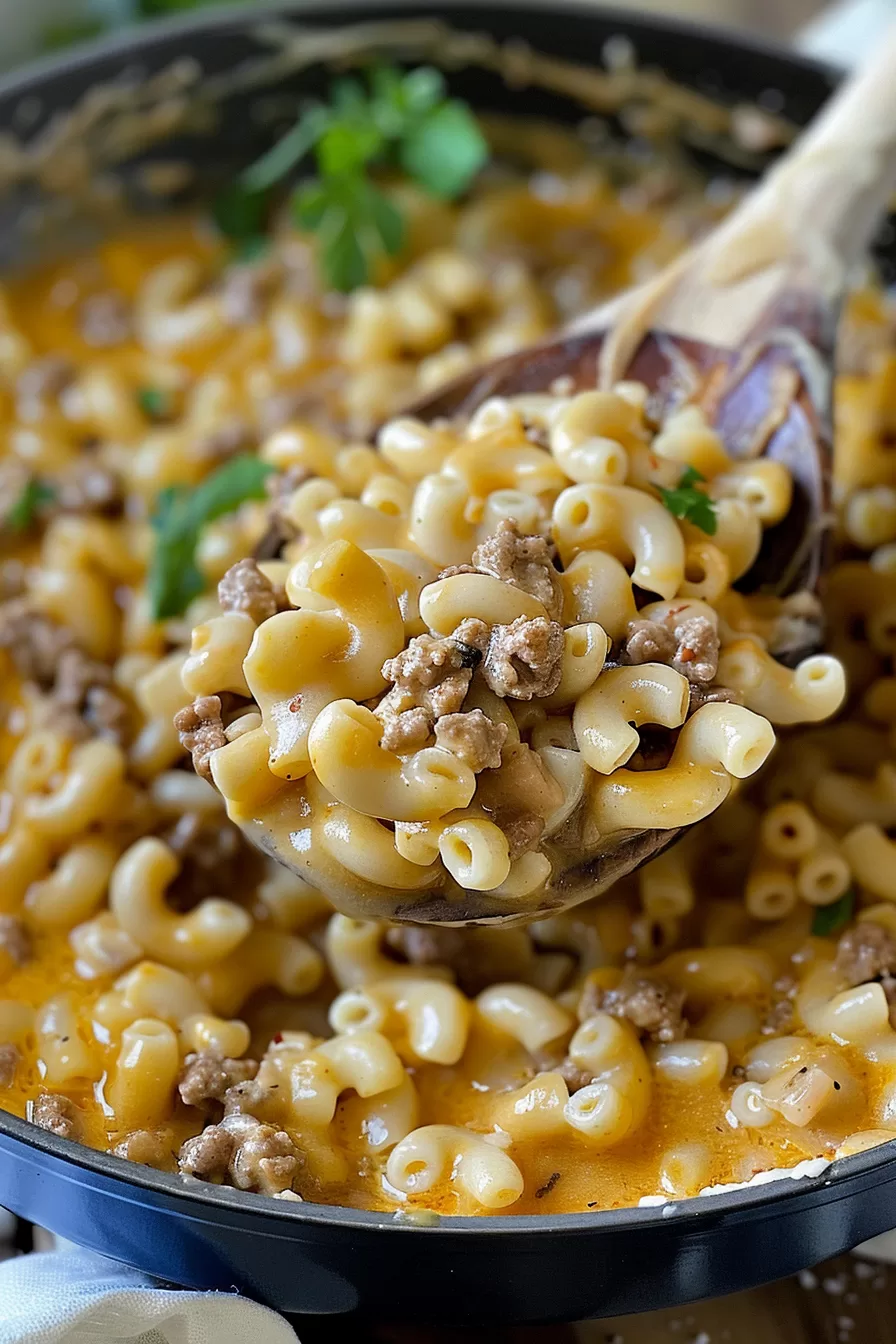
{"x": 35, "y": 496}
{"x": 154, "y": 402}
{"x": 831, "y": 918}
{"x": 174, "y": 578}
{"x": 686, "y": 501}
{"x": 401, "y": 120}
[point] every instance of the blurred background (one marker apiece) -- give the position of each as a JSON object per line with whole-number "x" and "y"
{"x": 28, "y": 27}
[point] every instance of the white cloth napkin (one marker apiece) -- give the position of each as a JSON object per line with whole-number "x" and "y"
{"x": 77, "y": 1297}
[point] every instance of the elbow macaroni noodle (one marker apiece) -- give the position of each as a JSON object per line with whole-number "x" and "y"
{"x": 687, "y": 1028}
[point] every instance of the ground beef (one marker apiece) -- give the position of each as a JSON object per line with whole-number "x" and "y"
{"x": 13, "y": 578}
{"x": 527, "y": 562}
{"x": 473, "y": 738}
{"x": 430, "y": 679}
{"x": 431, "y": 672}
{"x": 9, "y": 1059}
{"x": 208, "y": 1154}
{"x": 207, "y": 1076}
{"x": 423, "y": 946}
{"x": 280, "y": 528}
{"x": 34, "y": 642}
{"x": 524, "y": 659}
{"x": 249, "y": 1097}
{"x": 779, "y": 1020}
{"x": 246, "y": 290}
{"x": 690, "y": 646}
{"x": 866, "y": 952}
{"x": 201, "y": 731}
{"x": 406, "y": 732}
{"x": 253, "y": 1155}
{"x": 149, "y": 1147}
{"x": 244, "y": 588}
{"x": 315, "y": 405}
{"x": 44, "y": 377}
{"x": 265, "y": 1159}
{"x": 654, "y": 1007}
{"x": 522, "y": 829}
{"x": 574, "y": 1077}
{"x": 478, "y": 956}
{"x": 83, "y": 689}
{"x": 88, "y": 488}
{"x": 15, "y": 940}
{"x": 104, "y": 319}
{"x": 56, "y": 1114}
{"x": 214, "y": 859}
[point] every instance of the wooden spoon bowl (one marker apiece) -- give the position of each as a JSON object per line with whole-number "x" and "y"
{"x": 760, "y": 405}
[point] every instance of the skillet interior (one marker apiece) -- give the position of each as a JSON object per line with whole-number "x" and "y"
{"x": 321, "y": 1259}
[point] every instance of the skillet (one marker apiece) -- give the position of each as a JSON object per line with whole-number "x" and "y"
{"x": 306, "y": 1258}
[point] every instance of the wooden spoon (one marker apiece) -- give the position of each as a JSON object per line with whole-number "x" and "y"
{"x": 744, "y": 324}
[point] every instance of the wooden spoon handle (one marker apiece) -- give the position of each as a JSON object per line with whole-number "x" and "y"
{"x": 821, "y": 202}
{"x": 798, "y": 232}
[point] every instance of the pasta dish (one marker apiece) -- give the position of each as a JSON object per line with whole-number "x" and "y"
{"x": 253, "y": 609}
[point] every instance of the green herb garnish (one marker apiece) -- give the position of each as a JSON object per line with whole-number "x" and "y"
{"x": 686, "y": 501}
{"x": 66, "y": 34}
{"x": 154, "y": 402}
{"x": 831, "y": 918}
{"x": 402, "y": 120}
{"x": 36, "y": 494}
{"x": 181, "y": 513}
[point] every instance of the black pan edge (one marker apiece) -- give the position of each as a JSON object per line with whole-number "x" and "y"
{"x": 193, "y": 1191}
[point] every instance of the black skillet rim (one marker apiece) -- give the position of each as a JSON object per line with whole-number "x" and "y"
{"x": 132, "y": 42}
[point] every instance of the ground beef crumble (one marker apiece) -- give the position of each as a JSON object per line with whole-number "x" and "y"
{"x": 44, "y": 378}
{"x": 244, "y": 588}
{"x": 104, "y": 319}
{"x": 207, "y": 1076}
{"x": 473, "y": 738}
{"x": 527, "y": 562}
{"x": 201, "y": 731}
{"x": 81, "y": 698}
{"x": 246, "y": 289}
{"x": 280, "y": 529}
{"x": 214, "y": 858}
{"x": 522, "y": 830}
{"x": 690, "y": 646}
{"x": 575, "y": 1077}
{"x": 479, "y": 957}
{"x": 87, "y": 487}
{"x": 56, "y": 1114}
{"x": 83, "y": 690}
{"x": 15, "y": 940}
{"x": 524, "y": 659}
{"x": 866, "y": 952}
{"x": 430, "y": 679}
{"x": 253, "y": 1155}
{"x": 9, "y": 1060}
{"x": 653, "y": 1006}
